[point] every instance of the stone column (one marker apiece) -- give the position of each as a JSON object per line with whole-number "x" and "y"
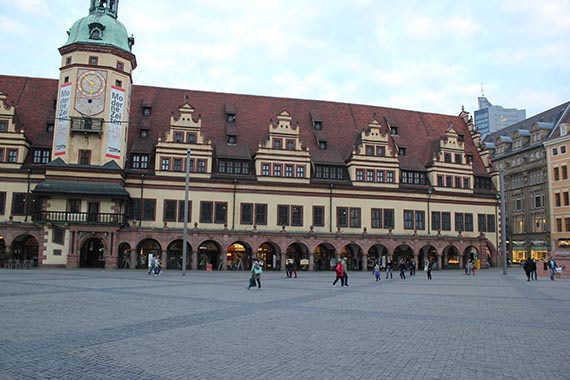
{"x": 461, "y": 262}
{"x": 132, "y": 259}
{"x": 439, "y": 262}
{"x": 311, "y": 261}
{"x": 364, "y": 262}
{"x": 283, "y": 264}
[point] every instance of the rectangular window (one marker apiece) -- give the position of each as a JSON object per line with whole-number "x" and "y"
{"x": 296, "y": 215}
{"x": 120, "y": 66}
{"x": 446, "y": 221}
{"x": 282, "y": 215}
{"x": 567, "y": 224}
{"x": 246, "y": 215}
{"x": 342, "y": 217}
{"x": 169, "y": 213}
{"x": 277, "y": 170}
{"x": 118, "y": 83}
{"x": 420, "y": 220}
{"x": 458, "y": 159}
{"x": 318, "y": 216}
{"x": 221, "y": 214}
{"x": 201, "y": 166}
{"x": 2, "y": 202}
{"x": 12, "y": 155}
{"x": 449, "y": 181}
{"x": 19, "y": 204}
{"x": 359, "y": 175}
{"x": 290, "y": 144}
{"x": 468, "y": 222}
{"x": 265, "y": 170}
{"x": 355, "y": 219}
{"x": 565, "y": 196}
{"x": 190, "y": 138}
{"x": 447, "y": 158}
{"x": 459, "y": 224}
{"x": 491, "y": 223}
{"x": 41, "y": 156}
{"x": 93, "y": 60}
{"x": 408, "y": 219}
{"x": 140, "y": 161}
{"x": 440, "y": 180}
{"x": 206, "y": 212}
{"x": 466, "y": 183}
{"x": 557, "y": 199}
{"x": 181, "y": 210}
{"x": 177, "y": 165}
{"x": 84, "y": 157}
{"x": 73, "y": 205}
{"x": 482, "y": 222}
{"x": 178, "y": 136}
{"x": 389, "y": 177}
{"x": 370, "y": 176}
{"x": 376, "y": 215}
{"x": 556, "y": 174}
{"x": 565, "y": 172}
{"x": 458, "y": 182}
{"x": 58, "y": 236}
{"x": 436, "y": 220}
{"x": 2, "y": 155}
{"x": 165, "y": 164}
{"x": 380, "y": 176}
{"x": 277, "y": 143}
{"x": 261, "y": 214}
{"x": 558, "y": 224}
{"x": 149, "y": 209}
{"x": 389, "y": 219}
{"x": 300, "y": 172}
{"x": 288, "y": 170}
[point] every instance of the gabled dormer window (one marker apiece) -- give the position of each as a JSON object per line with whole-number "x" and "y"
{"x": 178, "y": 137}
{"x": 3, "y": 125}
{"x": 232, "y": 140}
{"x": 318, "y": 125}
{"x": 394, "y": 131}
{"x": 277, "y": 143}
{"x": 402, "y": 151}
{"x": 322, "y": 145}
{"x": 230, "y": 118}
{"x": 96, "y": 30}
{"x": 147, "y": 111}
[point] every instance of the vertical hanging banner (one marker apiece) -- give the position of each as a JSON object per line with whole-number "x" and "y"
{"x": 115, "y": 127}
{"x": 62, "y": 120}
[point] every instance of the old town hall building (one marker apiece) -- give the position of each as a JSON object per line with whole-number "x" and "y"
{"x": 93, "y": 173}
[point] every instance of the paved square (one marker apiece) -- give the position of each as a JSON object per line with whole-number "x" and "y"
{"x": 92, "y": 324}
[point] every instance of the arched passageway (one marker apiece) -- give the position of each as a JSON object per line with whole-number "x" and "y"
{"x": 325, "y": 257}
{"x": 92, "y": 253}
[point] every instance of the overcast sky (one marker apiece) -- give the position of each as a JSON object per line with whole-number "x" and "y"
{"x": 420, "y": 55}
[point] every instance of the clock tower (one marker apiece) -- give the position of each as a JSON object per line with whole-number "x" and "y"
{"x": 94, "y": 89}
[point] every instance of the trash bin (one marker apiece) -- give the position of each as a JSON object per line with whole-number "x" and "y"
{"x": 478, "y": 264}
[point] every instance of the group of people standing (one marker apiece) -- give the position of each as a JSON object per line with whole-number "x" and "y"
{"x": 341, "y": 273}
{"x": 529, "y": 267}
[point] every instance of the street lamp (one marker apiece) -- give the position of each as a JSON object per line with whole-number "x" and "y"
{"x": 429, "y": 190}
{"x": 503, "y": 222}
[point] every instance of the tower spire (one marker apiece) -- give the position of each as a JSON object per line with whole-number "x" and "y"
{"x": 109, "y": 7}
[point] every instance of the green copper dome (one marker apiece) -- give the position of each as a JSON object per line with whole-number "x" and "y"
{"x": 101, "y": 27}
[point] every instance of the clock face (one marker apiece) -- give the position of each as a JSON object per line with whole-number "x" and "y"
{"x": 91, "y": 84}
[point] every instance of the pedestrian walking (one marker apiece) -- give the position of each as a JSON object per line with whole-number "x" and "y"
{"x": 345, "y": 270}
{"x": 377, "y": 272}
{"x": 151, "y": 264}
{"x": 339, "y": 274}
{"x": 428, "y": 267}
{"x": 256, "y": 271}
{"x": 402, "y": 269}
{"x": 412, "y": 267}
{"x": 527, "y": 268}
{"x": 389, "y": 268}
{"x": 533, "y": 275}
{"x": 292, "y": 268}
{"x": 551, "y": 268}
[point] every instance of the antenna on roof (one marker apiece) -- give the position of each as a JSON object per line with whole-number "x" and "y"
{"x": 482, "y": 92}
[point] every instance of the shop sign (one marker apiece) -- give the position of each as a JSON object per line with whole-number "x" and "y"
{"x": 563, "y": 243}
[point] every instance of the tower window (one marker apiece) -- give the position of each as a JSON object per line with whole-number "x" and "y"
{"x": 66, "y": 80}
{"x": 95, "y": 34}
{"x": 93, "y": 60}
{"x": 118, "y": 83}
{"x": 68, "y": 61}
{"x": 120, "y": 65}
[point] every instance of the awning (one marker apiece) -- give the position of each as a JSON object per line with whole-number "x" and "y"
{"x": 81, "y": 188}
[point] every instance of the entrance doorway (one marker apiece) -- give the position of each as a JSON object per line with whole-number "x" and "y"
{"x": 92, "y": 254}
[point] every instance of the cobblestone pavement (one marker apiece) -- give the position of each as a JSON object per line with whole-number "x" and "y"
{"x": 94, "y": 324}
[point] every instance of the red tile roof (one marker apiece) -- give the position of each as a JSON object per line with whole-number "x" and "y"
{"x": 341, "y": 122}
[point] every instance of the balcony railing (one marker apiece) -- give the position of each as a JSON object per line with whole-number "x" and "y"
{"x": 78, "y": 217}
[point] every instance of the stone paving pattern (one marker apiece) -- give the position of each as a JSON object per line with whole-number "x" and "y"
{"x": 94, "y": 324}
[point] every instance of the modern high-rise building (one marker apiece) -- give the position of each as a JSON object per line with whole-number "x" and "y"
{"x": 94, "y": 171}
{"x": 490, "y": 118}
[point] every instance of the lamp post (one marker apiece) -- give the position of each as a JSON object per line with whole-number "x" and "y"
{"x": 503, "y": 222}
{"x": 185, "y": 234}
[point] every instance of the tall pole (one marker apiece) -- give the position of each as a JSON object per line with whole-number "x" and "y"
{"x": 185, "y": 234}
{"x": 503, "y": 222}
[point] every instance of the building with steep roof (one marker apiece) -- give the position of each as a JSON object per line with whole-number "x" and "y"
{"x": 519, "y": 151}
{"x": 94, "y": 172}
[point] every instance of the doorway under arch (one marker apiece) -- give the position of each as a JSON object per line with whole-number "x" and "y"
{"x": 325, "y": 255}
{"x": 238, "y": 255}
{"x": 268, "y": 253}
{"x": 92, "y": 253}
{"x": 209, "y": 255}
{"x": 144, "y": 249}
{"x": 124, "y": 259}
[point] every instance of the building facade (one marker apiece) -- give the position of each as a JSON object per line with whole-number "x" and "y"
{"x": 95, "y": 172}
{"x": 558, "y": 158}
{"x": 490, "y": 118}
{"x": 519, "y": 150}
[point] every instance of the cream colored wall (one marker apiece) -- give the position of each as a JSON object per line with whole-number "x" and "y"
{"x": 560, "y": 186}
{"x": 50, "y": 258}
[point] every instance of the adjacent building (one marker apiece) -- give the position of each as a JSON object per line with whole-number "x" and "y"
{"x": 490, "y": 118}
{"x": 94, "y": 172}
{"x": 534, "y": 178}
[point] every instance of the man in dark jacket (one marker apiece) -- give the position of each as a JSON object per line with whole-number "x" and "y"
{"x": 528, "y": 268}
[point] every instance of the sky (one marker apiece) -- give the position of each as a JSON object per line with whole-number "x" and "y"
{"x": 432, "y": 56}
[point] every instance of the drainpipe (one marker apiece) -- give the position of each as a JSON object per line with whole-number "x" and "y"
{"x": 331, "y": 208}
{"x": 141, "y": 200}
{"x": 234, "y": 205}
{"x": 27, "y": 208}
